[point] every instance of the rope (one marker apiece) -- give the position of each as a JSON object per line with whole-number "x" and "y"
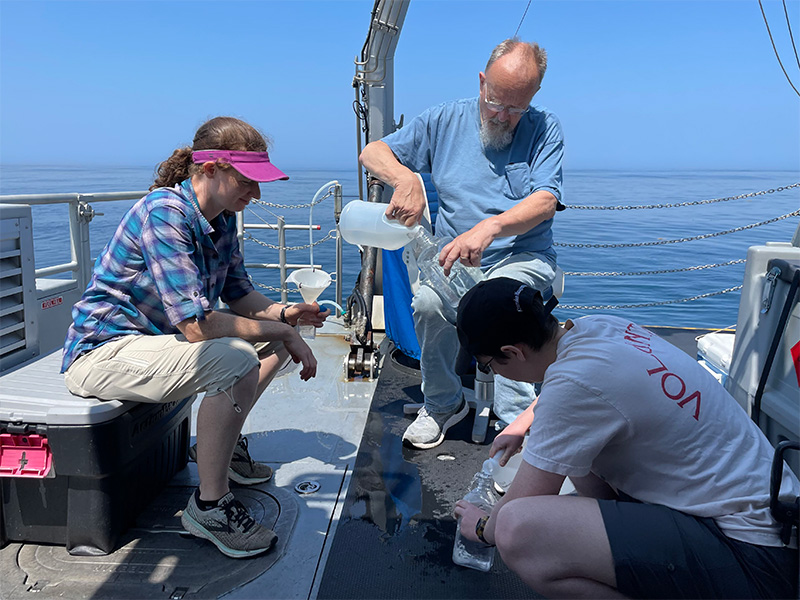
{"x": 782, "y": 188}
{"x": 647, "y": 304}
{"x": 686, "y": 239}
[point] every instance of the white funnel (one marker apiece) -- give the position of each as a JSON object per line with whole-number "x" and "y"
{"x": 310, "y": 282}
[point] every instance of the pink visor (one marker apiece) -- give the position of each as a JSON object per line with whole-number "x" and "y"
{"x": 253, "y": 165}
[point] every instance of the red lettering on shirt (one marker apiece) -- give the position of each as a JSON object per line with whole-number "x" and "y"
{"x": 693, "y": 396}
{"x": 672, "y": 385}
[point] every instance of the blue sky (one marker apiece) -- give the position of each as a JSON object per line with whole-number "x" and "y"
{"x": 638, "y": 84}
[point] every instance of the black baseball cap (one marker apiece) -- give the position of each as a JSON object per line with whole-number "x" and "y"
{"x": 501, "y": 311}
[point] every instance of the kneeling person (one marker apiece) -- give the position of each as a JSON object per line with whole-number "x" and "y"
{"x": 673, "y": 477}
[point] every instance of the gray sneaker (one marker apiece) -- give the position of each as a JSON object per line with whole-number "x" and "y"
{"x": 229, "y": 527}
{"x": 428, "y": 429}
{"x": 243, "y": 469}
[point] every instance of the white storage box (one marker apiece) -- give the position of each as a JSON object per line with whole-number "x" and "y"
{"x": 714, "y": 352}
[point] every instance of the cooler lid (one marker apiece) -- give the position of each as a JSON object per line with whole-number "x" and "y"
{"x": 717, "y": 347}
{"x": 34, "y": 393}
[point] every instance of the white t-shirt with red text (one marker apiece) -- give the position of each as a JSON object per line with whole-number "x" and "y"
{"x": 630, "y": 407}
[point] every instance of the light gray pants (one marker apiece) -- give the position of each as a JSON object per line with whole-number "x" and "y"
{"x": 439, "y": 343}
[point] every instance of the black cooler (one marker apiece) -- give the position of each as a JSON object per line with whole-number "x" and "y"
{"x": 77, "y": 471}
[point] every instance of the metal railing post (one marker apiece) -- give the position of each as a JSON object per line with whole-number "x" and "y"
{"x": 337, "y": 212}
{"x": 80, "y": 248}
{"x": 282, "y": 256}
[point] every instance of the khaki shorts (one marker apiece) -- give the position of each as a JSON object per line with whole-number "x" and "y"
{"x": 163, "y": 368}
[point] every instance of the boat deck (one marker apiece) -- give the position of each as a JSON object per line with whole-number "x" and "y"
{"x": 380, "y": 524}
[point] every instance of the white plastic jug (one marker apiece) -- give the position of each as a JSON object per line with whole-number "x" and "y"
{"x": 365, "y": 224}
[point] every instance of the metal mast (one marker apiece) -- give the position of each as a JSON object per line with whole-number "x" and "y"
{"x": 374, "y": 108}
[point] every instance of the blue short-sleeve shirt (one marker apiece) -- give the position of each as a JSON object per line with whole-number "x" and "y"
{"x": 474, "y": 183}
{"x": 165, "y": 263}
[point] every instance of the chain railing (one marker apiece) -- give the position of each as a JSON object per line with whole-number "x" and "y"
{"x": 666, "y": 242}
{"x": 280, "y": 227}
{"x": 681, "y": 240}
{"x": 681, "y": 204}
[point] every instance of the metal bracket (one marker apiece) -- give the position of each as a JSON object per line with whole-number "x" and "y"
{"x": 769, "y": 289}
{"x": 86, "y": 212}
{"x": 362, "y": 362}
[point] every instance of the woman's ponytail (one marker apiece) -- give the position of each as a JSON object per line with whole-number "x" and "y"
{"x": 173, "y": 170}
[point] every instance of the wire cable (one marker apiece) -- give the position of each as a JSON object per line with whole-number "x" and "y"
{"x": 523, "y": 18}
{"x": 791, "y": 37}
{"x": 763, "y": 14}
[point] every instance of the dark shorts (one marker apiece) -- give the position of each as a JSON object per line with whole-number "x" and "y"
{"x": 663, "y": 553}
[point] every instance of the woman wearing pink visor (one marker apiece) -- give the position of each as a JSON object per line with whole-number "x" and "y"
{"x": 147, "y": 328}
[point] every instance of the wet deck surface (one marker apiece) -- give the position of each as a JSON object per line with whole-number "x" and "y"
{"x": 395, "y": 536}
{"x": 307, "y": 432}
{"x": 391, "y": 537}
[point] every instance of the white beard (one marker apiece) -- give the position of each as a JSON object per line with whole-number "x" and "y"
{"x": 496, "y": 135}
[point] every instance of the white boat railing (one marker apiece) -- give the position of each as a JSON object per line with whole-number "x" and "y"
{"x": 81, "y": 214}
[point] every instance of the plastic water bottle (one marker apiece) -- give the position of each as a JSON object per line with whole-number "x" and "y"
{"x": 425, "y": 248}
{"x": 477, "y": 555}
{"x": 503, "y": 476}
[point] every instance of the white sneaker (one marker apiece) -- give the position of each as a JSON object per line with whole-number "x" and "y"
{"x": 427, "y": 430}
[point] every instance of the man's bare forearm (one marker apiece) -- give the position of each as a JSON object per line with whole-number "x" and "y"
{"x": 527, "y": 214}
{"x": 381, "y": 162}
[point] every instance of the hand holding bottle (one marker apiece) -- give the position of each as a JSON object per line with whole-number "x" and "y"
{"x": 468, "y": 248}
{"x": 309, "y": 314}
{"x": 468, "y": 514}
{"x": 468, "y": 551}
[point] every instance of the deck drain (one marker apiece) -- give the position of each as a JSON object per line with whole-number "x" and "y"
{"x": 307, "y": 487}
{"x": 445, "y": 456}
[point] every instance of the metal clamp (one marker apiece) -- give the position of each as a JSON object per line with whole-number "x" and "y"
{"x": 769, "y": 289}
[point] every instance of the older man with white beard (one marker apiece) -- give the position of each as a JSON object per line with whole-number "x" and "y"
{"x": 495, "y": 161}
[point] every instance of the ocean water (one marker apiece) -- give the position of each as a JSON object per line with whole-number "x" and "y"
{"x": 656, "y": 298}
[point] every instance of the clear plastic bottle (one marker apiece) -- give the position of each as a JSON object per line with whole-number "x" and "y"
{"x": 477, "y": 555}
{"x": 425, "y": 248}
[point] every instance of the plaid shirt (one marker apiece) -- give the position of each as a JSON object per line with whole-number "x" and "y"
{"x": 166, "y": 263}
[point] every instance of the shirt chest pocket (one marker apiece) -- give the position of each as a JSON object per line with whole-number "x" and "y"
{"x": 517, "y": 183}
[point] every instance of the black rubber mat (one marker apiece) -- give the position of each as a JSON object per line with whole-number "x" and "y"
{"x": 156, "y": 558}
{"x": 395, "y": 536}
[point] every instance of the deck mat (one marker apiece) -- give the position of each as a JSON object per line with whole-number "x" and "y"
{"x": 395, "y": 535}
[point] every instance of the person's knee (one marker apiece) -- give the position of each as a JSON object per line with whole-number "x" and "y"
{"x": 509, "y": 531}
{"x": 521, "y": 537}
{"x": 426, "y": 303}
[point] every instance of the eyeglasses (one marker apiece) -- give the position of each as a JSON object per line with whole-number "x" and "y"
{"x": 486, "y": 367}
{"x": 498, "y": 108}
